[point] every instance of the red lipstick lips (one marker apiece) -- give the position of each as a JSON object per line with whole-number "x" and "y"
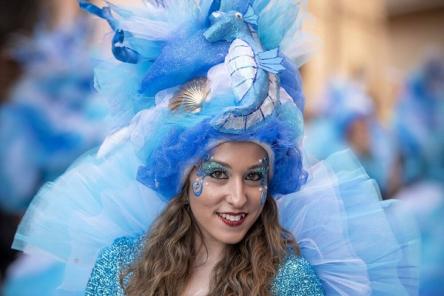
{"x": 232, "y": 219}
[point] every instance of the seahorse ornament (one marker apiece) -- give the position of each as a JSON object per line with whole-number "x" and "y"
{"x": 252, "y": 70}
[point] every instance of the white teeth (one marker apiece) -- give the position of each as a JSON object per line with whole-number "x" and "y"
{"x": 233, "y": 218}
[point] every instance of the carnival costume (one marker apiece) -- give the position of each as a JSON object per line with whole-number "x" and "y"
{"x": 53, "y": 114}
{"x": 419, "y": 127}
{"x": 347, "y": 102}
{"x": 419, "y": 124}
{"x": 191, "y": 75}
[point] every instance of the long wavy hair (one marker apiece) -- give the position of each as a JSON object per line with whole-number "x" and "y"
{"x": 169, "y": 253}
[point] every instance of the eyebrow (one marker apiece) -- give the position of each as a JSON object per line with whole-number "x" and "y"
{"x": 253, "y": 167}
{"x": 257, "y": 166}
{"x": 219, "y": 162}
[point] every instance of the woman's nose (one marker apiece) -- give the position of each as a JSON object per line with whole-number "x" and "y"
{"x": 237, "y": 196}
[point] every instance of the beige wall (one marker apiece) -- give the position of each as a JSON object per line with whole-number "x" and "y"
{"x": 353, "y": 36}
{"x": 64, "y": 11}
{"x": 414, "y": 35}
{"x": 359, "y": 34}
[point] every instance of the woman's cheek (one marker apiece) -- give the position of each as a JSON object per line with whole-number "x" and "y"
{"x": 213, "y": 191}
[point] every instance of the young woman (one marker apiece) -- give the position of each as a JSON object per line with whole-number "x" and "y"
{"x": 184, "y": 197}
{"x": 223, "y": 239}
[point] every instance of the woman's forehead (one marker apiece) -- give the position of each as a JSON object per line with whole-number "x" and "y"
{"x": 242, "y": 154}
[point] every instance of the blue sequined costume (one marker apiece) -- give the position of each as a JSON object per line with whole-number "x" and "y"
{"x": 295, "y": 277}
{"x": 180, "y": 87}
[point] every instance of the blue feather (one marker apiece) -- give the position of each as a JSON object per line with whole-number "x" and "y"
{"x": 275, "y": 22}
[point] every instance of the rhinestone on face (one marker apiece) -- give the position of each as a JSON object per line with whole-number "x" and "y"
{"x": 263, "y": 197}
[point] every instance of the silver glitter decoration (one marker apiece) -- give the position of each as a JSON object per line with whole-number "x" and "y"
{"x": 264, "y": 193}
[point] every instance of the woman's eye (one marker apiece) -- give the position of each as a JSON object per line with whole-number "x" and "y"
{"x": 254, "y": 176}
{"x": 219, "y": 174}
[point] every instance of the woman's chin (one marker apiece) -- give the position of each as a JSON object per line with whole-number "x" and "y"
{"x": 231, "y": 238}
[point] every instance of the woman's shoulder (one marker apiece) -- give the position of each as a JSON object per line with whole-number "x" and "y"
{"x": 112, "y": 260}
{"x": 296, "y": 277}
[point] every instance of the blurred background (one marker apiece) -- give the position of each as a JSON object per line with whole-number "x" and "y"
{"x": 374, "y": 83}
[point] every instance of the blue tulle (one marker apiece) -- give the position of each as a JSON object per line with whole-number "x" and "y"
{"x": 94, "y": 202}
{"x": 30, "y": 275}
{"x": 336, "y": 218}
{"x": 276, "y": 21}
{"x": 335, "y": 214}
{"x": 236, "y": 5}
{"x": 425, "y": 202}
{"x": 342, "y": 229}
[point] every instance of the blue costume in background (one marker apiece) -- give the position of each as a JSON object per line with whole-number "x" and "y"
{"x": 419, "y": 127}
{"x": 419, "y": 123}
{"x": 191, "y": 75}
{"x": 52, "y": 116}
{"x": 347, "y": 103}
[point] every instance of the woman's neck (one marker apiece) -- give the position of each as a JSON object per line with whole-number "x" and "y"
{"x": 209, "y": 251}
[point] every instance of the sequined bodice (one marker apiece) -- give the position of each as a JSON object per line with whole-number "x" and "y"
{"x": 295, "y": 277}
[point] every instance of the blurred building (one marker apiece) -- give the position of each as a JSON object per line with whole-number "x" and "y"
{"x": 65, "y": 11}
{"x": 353, "y": 39}
{"x": 382, "y": 39}
{"x": 416, "y": 29}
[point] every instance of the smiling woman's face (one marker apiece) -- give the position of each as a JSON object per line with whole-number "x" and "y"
{"x": 228, "y": 191}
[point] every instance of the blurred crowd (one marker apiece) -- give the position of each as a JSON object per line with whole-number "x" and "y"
{"x": 405, "y": 157}
{"x": 50, "y": 115}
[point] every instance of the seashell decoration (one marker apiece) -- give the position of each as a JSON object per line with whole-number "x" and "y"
{"x": 191, "y": 96}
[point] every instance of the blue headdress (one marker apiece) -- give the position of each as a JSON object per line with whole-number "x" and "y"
{"x": 188, "y": 76}
{"x": 216, "y": 74}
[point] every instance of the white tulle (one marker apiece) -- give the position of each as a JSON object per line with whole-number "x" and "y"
{"x": 344, "y": 231}
{"x": 337, "y": 219}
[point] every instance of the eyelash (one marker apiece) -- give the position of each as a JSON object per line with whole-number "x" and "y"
{"x": 258, "y": 176}
{"x": 222, "y": 175}
{"x": 213, "y": 173}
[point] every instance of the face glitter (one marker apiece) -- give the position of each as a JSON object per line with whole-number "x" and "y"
{"x": 264, "y": 169}
{"x": 198, "y": 186}
{"x": 206, "y": 168}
